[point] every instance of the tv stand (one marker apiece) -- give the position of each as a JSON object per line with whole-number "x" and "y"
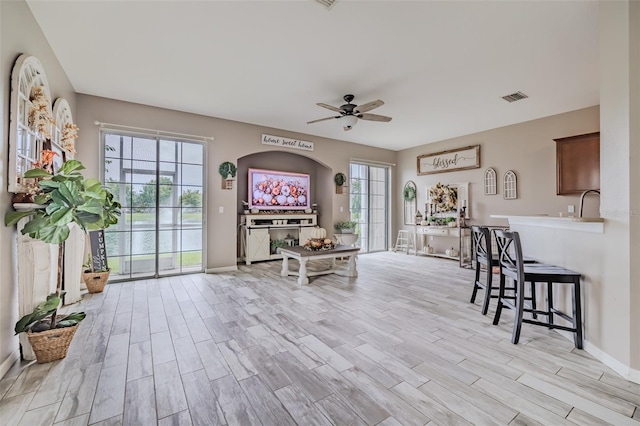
{"x": 259, "y": 229}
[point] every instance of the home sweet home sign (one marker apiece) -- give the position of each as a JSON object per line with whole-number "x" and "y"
{"x": 447, "y": 161}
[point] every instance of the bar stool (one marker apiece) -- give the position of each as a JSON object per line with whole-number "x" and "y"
{"x": 405, "y": 241}
{"x": 481, "y": 245}
{"x": 515, "y": 268}
{"x": 484, "y": 254}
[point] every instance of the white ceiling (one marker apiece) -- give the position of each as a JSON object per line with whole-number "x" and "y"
{"x": 441, "y": 67}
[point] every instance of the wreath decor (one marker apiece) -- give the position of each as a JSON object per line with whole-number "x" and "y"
{"x": 444, "y": 197}
{"x": 227, "y": 168}
{"x": 340, "y": 179}
{"x": 409, "y": 193}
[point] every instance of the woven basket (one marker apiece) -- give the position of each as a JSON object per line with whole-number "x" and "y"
{"x": 51, "y": 345}
{"x": 95, "y": 281}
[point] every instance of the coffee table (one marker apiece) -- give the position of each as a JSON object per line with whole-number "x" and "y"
{"x": 303, "y": 255}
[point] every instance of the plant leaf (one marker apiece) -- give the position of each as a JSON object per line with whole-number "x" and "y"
{"x": 36, "y": 173}
{"x": 70, "y": 166}
{"x": 54, "y": 234}
{"x": 12, "y": 218}
{"x": 62, "y": 217}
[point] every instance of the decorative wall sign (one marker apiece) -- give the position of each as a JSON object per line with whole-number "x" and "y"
{"x": 286, "y": 142}
{"x": 490, "y": 182}
{"x": 98, "y": 251}
{"x": 510, "y": 185}
{"x": 446, "y": 161}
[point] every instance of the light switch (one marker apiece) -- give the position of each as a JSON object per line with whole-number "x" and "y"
{"x": 221, "y": 209}
{"x": 571, "y": 208}
{"x": 341, "y": 209}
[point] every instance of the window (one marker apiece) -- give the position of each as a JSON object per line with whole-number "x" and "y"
{"x": 369, "y": 205}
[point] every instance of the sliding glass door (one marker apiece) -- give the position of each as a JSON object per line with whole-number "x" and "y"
{"x": 160, "y": 184}
{"x": 369, "y": 206}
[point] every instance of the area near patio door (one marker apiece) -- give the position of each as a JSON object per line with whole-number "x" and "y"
{"x": 160, "y": 183}
{"x": 369, "y": 205}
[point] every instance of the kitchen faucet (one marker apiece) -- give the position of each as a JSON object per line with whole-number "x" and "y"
{"x": 582, "y": 199}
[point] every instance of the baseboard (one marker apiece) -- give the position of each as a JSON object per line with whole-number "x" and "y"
{"x": 8, "y": 363}
{"x": 625, "y": 371}
{"x": 222, "y": 269}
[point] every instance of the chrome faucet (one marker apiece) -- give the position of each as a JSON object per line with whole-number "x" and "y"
{"x": 582, "y": 199}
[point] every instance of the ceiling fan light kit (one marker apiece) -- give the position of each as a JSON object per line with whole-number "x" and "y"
{"x": 350, "y": 113}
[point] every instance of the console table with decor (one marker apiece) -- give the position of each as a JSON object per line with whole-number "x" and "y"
{"x": 460, "y": 237}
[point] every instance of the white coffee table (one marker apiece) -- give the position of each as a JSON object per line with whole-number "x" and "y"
{"x": 303, "y": 255}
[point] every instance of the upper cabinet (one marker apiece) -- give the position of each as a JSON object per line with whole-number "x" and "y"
{"x": 578, "y": 163}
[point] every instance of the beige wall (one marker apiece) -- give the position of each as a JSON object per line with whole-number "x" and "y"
{"x": 619, "y": 57}
{"x": 233, "y": 141}
{"x": 19, "y": 33}
{"x": 526, "y": 148}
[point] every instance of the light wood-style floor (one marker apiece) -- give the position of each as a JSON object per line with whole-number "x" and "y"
{"x": 401, "y": 344}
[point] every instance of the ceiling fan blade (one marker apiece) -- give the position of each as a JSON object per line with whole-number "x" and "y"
{"x": 332, "y": 108}
{"x": 374, "y": 117}
{"x": 369, "y": 106}
{"x": 322, "y": 119}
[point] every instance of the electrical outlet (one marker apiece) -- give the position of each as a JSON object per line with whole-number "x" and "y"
{"x": 221, "y": 209}
{"x": 571, "y": 208}
{"x": 341, "y": 209}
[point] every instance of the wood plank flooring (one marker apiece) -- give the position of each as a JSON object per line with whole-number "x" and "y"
{"x": 399, "y": 345}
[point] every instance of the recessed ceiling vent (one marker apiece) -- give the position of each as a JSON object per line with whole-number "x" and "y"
{"x": 326, "y": 3}
{"x": 515, "y": 97}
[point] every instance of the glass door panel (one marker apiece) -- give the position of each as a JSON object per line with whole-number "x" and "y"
{"x": 161, "y": 228}
{"x": 369, "y": 205}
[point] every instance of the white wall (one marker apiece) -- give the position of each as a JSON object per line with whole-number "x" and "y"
{"x": 19, "y": 33}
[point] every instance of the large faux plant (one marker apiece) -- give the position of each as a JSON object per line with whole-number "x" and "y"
{"x": 64, "y": 197}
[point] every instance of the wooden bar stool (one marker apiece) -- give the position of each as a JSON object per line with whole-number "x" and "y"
{"x": 481, "y": 245}
{"x": 484, "y": 255}
{"x": 514, "y": 268}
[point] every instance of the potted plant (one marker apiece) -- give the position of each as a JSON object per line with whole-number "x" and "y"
{"x": 348, "y": 227}
{"x": 63, "y": 198}
{"x": 276, "y": 245}
{"x": 94, "y": 279}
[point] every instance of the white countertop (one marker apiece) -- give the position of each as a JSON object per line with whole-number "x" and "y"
{"x": 584, "y": 224}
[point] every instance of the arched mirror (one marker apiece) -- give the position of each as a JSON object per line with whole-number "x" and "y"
{"x": 510, "y": 185}
{"x": 31, "y": 119}
{"x": 410, "y": 202}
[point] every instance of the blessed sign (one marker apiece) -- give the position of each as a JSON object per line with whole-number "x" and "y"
{"x": 446, "y": 161}
{"x": 287, "y": 143}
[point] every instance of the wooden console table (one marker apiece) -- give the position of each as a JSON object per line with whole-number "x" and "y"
{"x": 303, "y": 255}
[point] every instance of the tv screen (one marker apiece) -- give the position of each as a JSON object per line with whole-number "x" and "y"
{"x": 274, "y": 190}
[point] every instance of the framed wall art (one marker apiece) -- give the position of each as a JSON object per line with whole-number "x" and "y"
{"x": 450, "y": 160}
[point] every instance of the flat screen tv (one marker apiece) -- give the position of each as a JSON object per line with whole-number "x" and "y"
{"x": 274, "y": 190}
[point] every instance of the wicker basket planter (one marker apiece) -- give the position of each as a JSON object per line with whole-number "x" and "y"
{"x": 95, "y": 281}
{"x": 53, "y": 344}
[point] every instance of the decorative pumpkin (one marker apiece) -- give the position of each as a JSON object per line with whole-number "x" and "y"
{"x": 451, "y": 252}
{"x": 318, "y": 233}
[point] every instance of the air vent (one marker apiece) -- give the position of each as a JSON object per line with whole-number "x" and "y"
{"x": 326, "y": 3}
{"x": 515, "y": 97}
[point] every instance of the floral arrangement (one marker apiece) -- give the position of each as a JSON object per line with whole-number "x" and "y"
{"x": 316, "y": 244}
{"x": 40, "y": 118}
{"x": 68, "y": 138}
{"x": 444, "y": 197}
{"x": 279, "y": 192}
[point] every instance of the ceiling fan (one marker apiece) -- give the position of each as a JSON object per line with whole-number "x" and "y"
{"x": 350, "y": 113}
